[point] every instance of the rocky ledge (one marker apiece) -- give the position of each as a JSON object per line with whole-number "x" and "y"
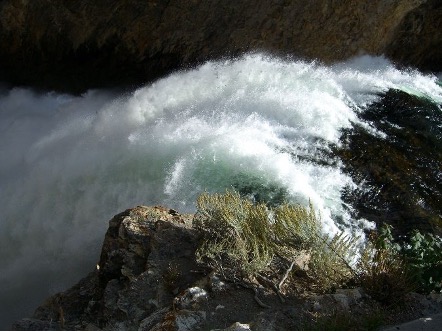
{"x": 148, "y": 279}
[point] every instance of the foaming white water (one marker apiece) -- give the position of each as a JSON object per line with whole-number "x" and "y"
{"x": 70, "y": 163}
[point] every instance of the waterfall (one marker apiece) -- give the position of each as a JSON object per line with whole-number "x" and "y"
{"x": 264, "y": 126}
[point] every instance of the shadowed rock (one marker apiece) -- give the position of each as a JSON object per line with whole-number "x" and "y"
{"x": 76, "y": 45}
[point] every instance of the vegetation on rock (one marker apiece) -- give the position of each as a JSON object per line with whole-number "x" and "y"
{"x": 243, "y": 241}
{"x": 148, "y": 279}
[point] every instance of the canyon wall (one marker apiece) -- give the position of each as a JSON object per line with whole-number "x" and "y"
{"x": 75, "y": 45}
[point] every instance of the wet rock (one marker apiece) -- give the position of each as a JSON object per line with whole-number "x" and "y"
{"x": 400, "y": 172}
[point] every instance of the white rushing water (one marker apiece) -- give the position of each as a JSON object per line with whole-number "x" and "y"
{"x": 68, "y": 164}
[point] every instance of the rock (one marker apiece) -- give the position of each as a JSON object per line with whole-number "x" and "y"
{"x": 417, "y": 39}
{"x": 216, "y": 284}
{"x": 431, "y": 323}
{"x": 429, "y": 304}
{"x": 352, "y": 294}
{"x": 437, "y": 297}
{"x": 148, "y": 257}
{"x": 316, "y": 306}
{"x": 190, "y": 298}
{"x": 342, "y": 300}
{"x": 132, "y": 280}
{"x": 237, "y": 326}
{"x": 155, "y": 318}
{"x": 91, "y": 327}
{"x": 189, "y": 320}
{"x": 28, "y": 324}
{"x": 77, "y": 45}
{"x": 181, "y": 320}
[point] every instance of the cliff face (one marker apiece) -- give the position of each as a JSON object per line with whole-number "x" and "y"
{"x": 79, "y": 44}
{"x": 148, "y": 279}
{"x": 418, "y": 39}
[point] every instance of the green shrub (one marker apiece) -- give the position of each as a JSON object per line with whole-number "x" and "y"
{"x": 423, "y": 254}
{"x": 390, "y": 269}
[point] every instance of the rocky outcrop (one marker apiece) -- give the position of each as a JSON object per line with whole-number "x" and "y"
{"x": 75, "y": 45}
{"x": 148, "y": 279}
{"x": 146, "y": 260}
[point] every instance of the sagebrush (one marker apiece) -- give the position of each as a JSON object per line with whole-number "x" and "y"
{"x": 242, "y": 240}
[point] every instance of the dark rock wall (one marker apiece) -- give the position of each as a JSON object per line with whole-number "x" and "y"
{"x": 74, "y": 45}
{"x": 418, "y": 40}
